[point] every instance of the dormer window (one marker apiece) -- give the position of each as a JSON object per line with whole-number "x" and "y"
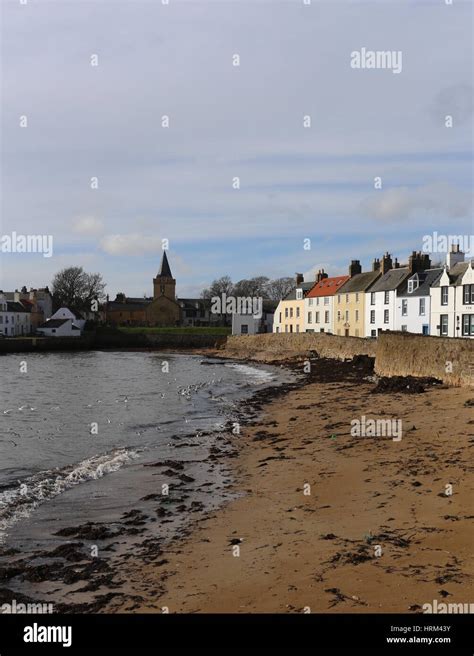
{"x": 413, "y": 284}
{"x": 299, "y": 294}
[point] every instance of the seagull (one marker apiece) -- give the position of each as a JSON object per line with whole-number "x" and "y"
{"x": 5, "y": 412}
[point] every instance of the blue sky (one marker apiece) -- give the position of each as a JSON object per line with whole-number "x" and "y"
{"x": 176, "y": 183}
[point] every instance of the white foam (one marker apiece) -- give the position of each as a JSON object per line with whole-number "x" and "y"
{"x": 257, "y": 375}
{"x": 19, "y": 502}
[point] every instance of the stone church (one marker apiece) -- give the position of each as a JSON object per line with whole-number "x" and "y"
{"x": 161, "y": 310}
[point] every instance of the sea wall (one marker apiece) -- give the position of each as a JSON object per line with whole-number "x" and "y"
{"x": 273, "y": 346}
{"x": 402, "y": 354}
{"x": 112, "y": 340}
{"x": 396, "y": 354}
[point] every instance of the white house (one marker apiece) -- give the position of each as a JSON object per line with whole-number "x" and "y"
{"x": 59, "y": 328}
{"x": 15, "y": 319}
{"x": 452, "y": 298}
{"x": 382, "y": 305}
{"x": 414, "y": 302}
{"x": 252, "y": 324}
{"x": 65, "y": 313}
{"x": 62, "y": 323}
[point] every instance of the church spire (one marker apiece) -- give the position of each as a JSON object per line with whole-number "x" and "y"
{"x": 164, "y": 270}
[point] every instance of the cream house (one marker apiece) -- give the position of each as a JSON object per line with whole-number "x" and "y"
{"x": 349, "y": 304}
{"x": 290, "y": 310}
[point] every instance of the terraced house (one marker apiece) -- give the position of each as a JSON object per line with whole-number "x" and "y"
{"x": 319, "y": 303}
{"x": 289, "y": 313}
{"x": 452, "y": 298}
{"x": 349, "y": 311}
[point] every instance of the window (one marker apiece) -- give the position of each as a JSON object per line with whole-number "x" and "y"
{"x": 310, "y": 317}
{"x": 468, "y": 323}
{"x": 372, "y": 298}
{"x": 357, "y": 297}
{"x": 286, "y": 313}
{"x": 373, "y": 333}
{"x": 338, "y": 315}
{"x": 310, "y": 301}
{"x": 326, "y": 300}
{"x": 444, "y": 324}
{"x": 299, "y": 294}
{"x": 297, "y": 312}
{"x": 291, "y": 312}
{"x": 280, "y": 317}
{"x": 347, "y": 298}
{"x": 338, "y": 298}
{"x": 347, "y": 315}
{"x": 372, "y": 316}
{"x": 468, "y": 295}
{"x": 357, "y": 318}
{"x": 386, "y": 298}
{"x": 317, "y": 318}
{"x": 385, "y": 316}
{"x": 444, "y": 296}
{"x": 244, "y": 329}
{"x": 317, "y": 300}
{"x": 404, "y": 307}
{"x": 422, "y": 307}
{"x": 326, "y": 316}
{"x": 404, "y": 328}
{"x": 412, "y": 285}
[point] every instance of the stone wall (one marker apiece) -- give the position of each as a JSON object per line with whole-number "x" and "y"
{"x": 396, "y": 354}
{"x": 402, "y": 354}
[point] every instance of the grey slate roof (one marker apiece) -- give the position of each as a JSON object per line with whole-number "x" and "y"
{"x": 53, "y": 323}
{"x": 359, "y": 283}
{"x": 13, "y": 306}
{"x": 391, "y": 280}
{"x": 455, "y": 274}
{"x": 305, "y": 286}
{"x": 426, "y": 278}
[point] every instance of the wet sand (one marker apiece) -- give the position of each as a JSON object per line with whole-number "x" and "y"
{"x": 379, "y": 530}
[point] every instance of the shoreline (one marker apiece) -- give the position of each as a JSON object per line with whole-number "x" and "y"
{"x": 368, "y": 496}
{"x": 302, "y": 551}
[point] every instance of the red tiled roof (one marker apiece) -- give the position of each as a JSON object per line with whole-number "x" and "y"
{"x": 327, "y": 286}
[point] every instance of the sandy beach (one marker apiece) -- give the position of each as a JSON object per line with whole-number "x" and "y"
{"x": 327, "y": 521}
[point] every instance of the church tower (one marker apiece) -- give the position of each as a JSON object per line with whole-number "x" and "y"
{"x": 164, "y": 284}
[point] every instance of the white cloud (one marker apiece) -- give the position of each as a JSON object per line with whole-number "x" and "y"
{"x": 405, "y": 203}
{"x": 88, "y": 225}
{"x": 131, "y": 244}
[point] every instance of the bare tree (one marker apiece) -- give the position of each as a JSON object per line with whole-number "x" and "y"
{"x": 74, "y": 288}
{"x": 279, "y": 288}
{"x": 254, "y": 287}
{"x": 218, "y": 287}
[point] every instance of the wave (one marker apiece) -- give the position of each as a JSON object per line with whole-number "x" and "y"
{"x": 257, "y": 375}
{"x": 19, "y": 502}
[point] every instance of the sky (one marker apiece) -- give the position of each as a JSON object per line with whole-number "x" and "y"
{"x": 175, "y": 183}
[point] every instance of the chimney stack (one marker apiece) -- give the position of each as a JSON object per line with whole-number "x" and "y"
{"x": 354, "y": 268}
{"x": 299, "y": 278}
{"x": 320, "y": 275}
{"x": 454, "y": 256}
{"x": 418, "y": 262}
{"x": 376, "y": 264}
{"x": 386, "y": 262}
